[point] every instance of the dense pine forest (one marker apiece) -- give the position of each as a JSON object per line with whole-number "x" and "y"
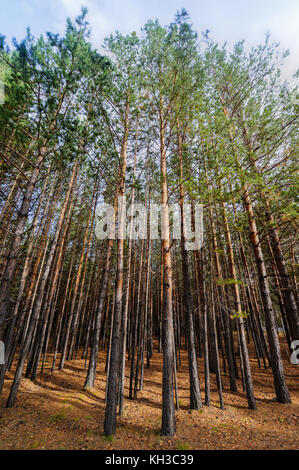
{"x": 165, "y": 117}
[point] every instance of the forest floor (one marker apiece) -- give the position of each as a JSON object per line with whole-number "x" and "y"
{"x": 54, "y": 412}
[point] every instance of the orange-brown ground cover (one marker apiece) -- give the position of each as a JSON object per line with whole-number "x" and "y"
{"x": 53, "y": 412}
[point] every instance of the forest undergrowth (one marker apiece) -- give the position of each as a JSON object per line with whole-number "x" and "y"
{"x": 54, "y": 412}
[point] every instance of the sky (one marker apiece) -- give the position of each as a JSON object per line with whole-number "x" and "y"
{"x": 227, "y": 20}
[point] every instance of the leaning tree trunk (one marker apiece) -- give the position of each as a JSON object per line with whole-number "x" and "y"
{"x": 281, "y": 387}
{"x": 11, "y": 264}
{"x": 287, "y": 291}
{"x": 37, "y": 307}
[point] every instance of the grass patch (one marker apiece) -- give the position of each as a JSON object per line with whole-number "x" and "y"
{"x": 35, "y": 445}
{"x": 67, "y": 401}
{"x": 182, "y": 446}
{"x": 220, "y": 425}
{"x": 57, "y": 417}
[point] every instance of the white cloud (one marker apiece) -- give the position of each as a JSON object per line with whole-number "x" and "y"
{"x": 228, "y": 20}
{"x": 284, "y": 29}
